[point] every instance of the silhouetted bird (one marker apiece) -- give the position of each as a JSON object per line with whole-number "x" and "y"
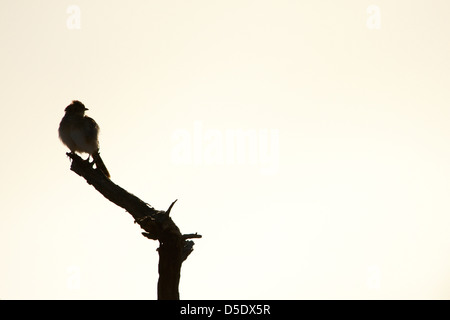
{"x": 80, "y": 133}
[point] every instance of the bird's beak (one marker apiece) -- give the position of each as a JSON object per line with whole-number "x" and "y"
{"x": 85, "y": 109}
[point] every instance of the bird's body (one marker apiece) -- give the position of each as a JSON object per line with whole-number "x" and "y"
{"x": 80, "y": 133}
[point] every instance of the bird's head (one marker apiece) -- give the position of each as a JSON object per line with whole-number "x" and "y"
{"x": 76, "y": 107}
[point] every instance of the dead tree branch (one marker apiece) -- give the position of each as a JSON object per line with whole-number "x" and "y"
{"x": 174, "y": 247}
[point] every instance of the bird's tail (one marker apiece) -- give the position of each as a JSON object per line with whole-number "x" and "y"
{"x": 99, "y": 163}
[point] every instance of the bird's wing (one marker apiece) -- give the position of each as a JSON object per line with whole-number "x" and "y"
{"x": 84, "y": 133}
{"x": 91, "y": 129}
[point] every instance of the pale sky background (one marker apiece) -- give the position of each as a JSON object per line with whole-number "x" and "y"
{"x": 358, "y": 207}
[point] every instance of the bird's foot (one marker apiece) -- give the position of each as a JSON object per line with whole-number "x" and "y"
{"x": 70, "y": 154}
{"x": 89, "y": 158}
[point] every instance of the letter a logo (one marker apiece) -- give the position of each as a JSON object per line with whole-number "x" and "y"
{"x": 374, "y": 19}
{"x": 74, "y": 19}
